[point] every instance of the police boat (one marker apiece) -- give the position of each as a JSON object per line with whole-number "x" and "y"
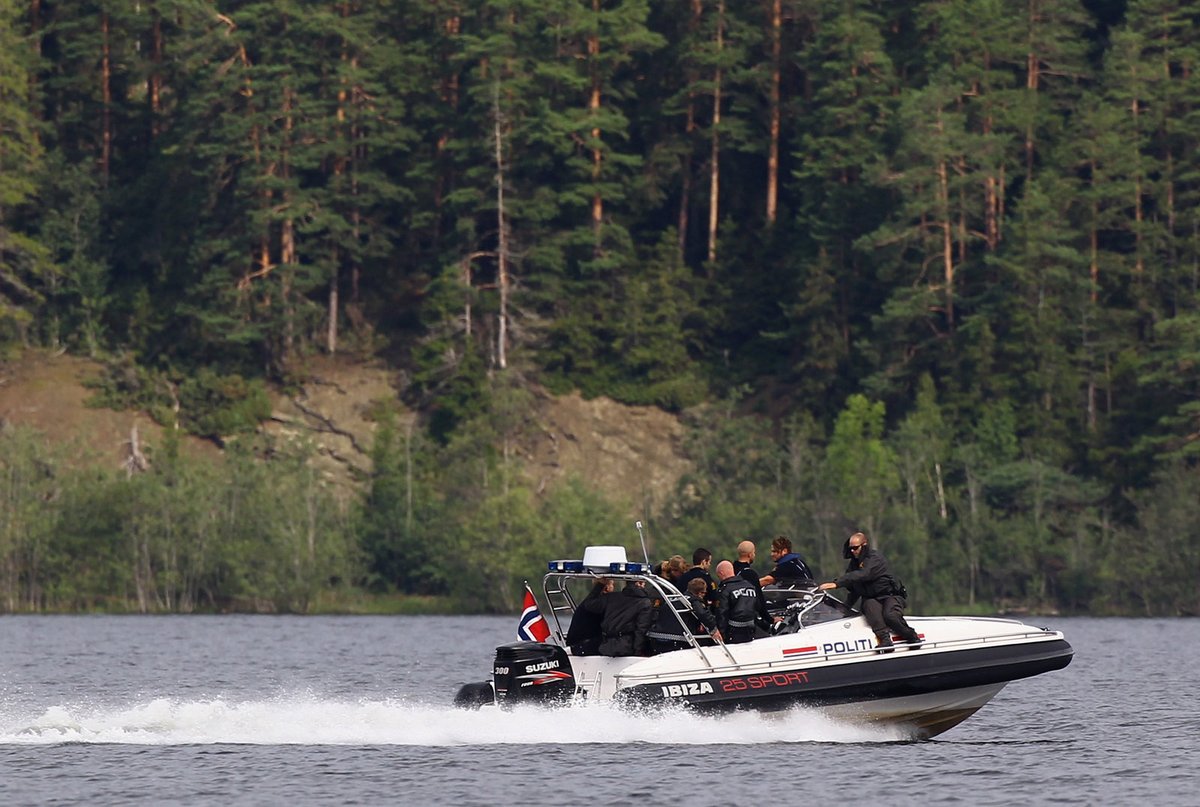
{"x": 822, "y": 655}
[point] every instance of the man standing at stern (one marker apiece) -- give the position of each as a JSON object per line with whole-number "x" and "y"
{"x": 868, "y": 578}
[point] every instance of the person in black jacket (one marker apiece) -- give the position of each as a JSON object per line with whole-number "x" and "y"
{"x": 701, "y": 563}
{"x": 868, "y": 578}
{"x": 740, "y": 606}
{"x": 670, "y": 631}
{"x": 627, "y": 618}
{"x": 584, "y": 635}
{"x": 703, "y": 615}
{"x": 744, "y": 565}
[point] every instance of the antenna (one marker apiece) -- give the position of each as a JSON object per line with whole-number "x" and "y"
{"x": 642, "y": 535}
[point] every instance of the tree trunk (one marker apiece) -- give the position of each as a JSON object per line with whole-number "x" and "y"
{"x": 332, "y": 315}
{"x": 287, "y": 233}
{"x": 941, "y": 491}
{"x": 947, "y": 253}
{"x": 106, "y": 99}
{"x": 946, "y": 226}
{"x": 340, "y": 163}
{"x": 776, "y": 113}
{"x": 1138, "y": 213}
{"x": 1032, "y": 80}
{"x": 991, "y": 219}
{"x": 593, "y": 49}
{"x": 408, "y": 478}
{"x": 685, "y": 190}
{"x": 466, "y": 281}
{"x": 1093, "y": 300}
{"x": 689, "y": 128}
{"x": 449, "y": 96}
{"x": 715, "y": 156}
{"x": 502, "y": 236}
{"x": 154, "y": 80}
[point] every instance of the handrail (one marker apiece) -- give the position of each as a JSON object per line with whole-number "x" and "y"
{"x": 667, "y": 591}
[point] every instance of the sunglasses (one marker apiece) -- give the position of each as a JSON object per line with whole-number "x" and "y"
{"x": 856, "y": 548}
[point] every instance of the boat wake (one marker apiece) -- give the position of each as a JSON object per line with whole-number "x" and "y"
{"x": 318, "y": 721}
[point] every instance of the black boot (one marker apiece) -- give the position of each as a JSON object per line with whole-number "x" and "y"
{"x": 883, "y": 643}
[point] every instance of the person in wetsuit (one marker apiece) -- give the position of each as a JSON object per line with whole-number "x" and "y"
{"x": 868, "y": 578}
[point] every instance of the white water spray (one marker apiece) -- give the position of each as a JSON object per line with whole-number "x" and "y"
{"x": 309, "y": 720}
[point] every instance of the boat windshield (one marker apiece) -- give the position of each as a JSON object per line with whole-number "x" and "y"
{"x": 825, "y": 608}
{"x": 813, "y": 608}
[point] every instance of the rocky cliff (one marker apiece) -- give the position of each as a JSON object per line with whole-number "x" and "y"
{"x": 633, "y": 454}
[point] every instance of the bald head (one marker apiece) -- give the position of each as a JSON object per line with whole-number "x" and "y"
{"x": 724, "y": 570}
{"x": 746, "y": 551}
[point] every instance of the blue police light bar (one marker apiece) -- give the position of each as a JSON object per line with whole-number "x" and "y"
{"x": 625, "y": 568}
{"x": 565, "y": 566}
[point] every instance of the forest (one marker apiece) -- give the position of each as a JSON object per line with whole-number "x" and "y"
{"x": 926, "y": 268}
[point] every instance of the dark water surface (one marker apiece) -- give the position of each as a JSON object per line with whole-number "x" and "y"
{"x": 354, "y": 710}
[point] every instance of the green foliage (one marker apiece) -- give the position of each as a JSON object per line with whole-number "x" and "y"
{"x": 25, "y": 263}
{"x": 655, "y": 326}
{"x": 400, "y": 512}
{"x": 206, "y": 403}
{"x": 737, "y": 488}
{"x": 1154, "y": 569}
{"x": 859, "y": 467}
{"x": 213, "y": 405}
{"x": 970, "y": 317}
{"x": 30, "y": 484}
{"x": 187, "y": 535}
{"x": 77, "y": 292}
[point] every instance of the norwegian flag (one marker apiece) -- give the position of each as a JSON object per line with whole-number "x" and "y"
{"x": 532, "y": 627}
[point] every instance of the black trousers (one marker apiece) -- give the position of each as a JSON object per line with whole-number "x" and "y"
{"x": 739, "y": 635}
{"x": 886, "y": 615}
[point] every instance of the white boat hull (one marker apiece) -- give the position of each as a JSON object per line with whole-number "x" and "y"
{"x": 834, "y": 667}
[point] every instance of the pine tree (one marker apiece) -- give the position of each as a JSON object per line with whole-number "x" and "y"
{"x": 586, "y": 76}
{"x": 24, "y": 261}
{"x": 844, "y": 121}
{"x": 1039, "y": 322}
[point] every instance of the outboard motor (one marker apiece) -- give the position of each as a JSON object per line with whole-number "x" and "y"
{"x": 473, "y": 696}
{"x": 532, "y": 672}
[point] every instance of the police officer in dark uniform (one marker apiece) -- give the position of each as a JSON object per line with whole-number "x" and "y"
{"x": 701, "y": 614}
{"x": 740, "y": 606}
{"x": 701, "y": 561}
{"x": 883, "y": 597}
{"x": 585, "y": 633}
{"x": 673, "y": 619}
{"x": 744, "y": 565}
{"x": 627, "y": 618}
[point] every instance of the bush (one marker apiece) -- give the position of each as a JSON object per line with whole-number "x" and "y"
{"x": 213, "y": 405}
{"x": 206, "y": 404}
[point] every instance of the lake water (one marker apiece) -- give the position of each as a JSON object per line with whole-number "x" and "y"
{"x": 355, "y": 710}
